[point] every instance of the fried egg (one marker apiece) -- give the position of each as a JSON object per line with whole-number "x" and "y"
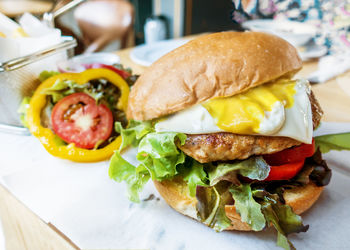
{"x": 280, "y": 108}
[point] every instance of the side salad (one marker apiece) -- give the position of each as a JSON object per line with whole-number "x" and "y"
{"x": 73, "y": 114}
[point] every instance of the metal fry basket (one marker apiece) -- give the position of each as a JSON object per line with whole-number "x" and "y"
{"x": 19, "y": 78}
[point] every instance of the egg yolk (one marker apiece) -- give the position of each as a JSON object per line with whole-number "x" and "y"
{"x": 243, "y": 113}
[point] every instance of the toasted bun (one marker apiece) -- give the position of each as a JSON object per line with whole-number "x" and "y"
{"x": 175, "y": 193}
{"x": 219, "y": 64}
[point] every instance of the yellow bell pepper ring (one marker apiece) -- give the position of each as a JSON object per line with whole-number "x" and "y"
{"x": 46, "y": 135}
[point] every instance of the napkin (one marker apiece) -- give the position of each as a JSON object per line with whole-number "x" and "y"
{"x": 94, "y": 213}
{"x": 331, "y": 66}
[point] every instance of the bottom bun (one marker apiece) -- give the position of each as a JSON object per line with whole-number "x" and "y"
{"x": 176, "y": 194}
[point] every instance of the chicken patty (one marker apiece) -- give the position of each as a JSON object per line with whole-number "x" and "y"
{"x": 227, "y": 146}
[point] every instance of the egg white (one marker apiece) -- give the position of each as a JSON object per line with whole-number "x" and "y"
{"x": 294, "y": 122}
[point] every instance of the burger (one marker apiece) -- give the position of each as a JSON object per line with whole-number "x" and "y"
{"x": 225, "y": 131}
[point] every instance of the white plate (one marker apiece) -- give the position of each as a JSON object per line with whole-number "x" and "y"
{"x": 146, "y": 54}
{"x": 296, "y": 33}
{"x": 312, "y": 51}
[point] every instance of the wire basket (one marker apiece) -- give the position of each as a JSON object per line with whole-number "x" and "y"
{"x": 19, "y": 78}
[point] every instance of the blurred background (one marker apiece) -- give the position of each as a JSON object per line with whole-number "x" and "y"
{"x": 179, "y": 17}
{"x": 133, "y": 22}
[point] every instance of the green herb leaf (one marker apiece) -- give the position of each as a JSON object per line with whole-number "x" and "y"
{"x": 247, "y": 207}
{"x": 333, "y": 142}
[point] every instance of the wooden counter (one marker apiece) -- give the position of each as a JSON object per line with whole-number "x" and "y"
{"x": 24, "y": 230}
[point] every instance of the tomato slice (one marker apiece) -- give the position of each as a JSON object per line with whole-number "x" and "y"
{"x": 78, "y": 119}
{"x": 120, "y": 72}
{"x": 285, "y": 172}
{"x": 290, "y": 155}
{"x": 287, "y": 163}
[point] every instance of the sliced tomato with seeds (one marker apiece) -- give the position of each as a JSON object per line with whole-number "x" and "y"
{"x": 78, "y": 119}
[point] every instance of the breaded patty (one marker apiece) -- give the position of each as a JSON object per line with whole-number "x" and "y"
{"x": 227, "y": 146}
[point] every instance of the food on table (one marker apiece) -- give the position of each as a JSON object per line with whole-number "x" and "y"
{"x": 73, "y": 114}
{"x": 226, "y": 134}
{"x": 78, "y": 119}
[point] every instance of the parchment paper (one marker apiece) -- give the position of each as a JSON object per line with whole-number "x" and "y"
{"x": 93, "y": 211}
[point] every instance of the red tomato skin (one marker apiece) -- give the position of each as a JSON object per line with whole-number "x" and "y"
{"x": 285, "y": 172}
{"x": 290, "y": 155}
{"x": 70, "y": 132}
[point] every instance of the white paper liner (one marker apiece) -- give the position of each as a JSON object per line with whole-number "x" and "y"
{"x": 93, "y": 211}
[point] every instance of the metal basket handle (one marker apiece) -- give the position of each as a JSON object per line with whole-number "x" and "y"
{"x": 49, "y": 17}
{"x": 68, "y": 43}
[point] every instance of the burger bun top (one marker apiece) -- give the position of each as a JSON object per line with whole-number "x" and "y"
{"x": 215, "y": 65}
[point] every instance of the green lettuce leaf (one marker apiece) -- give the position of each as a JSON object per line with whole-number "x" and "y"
{"x": 135, "y": 177}
{"x": 333, "y": 142}
{"x": 61, "y": 89}
{"x": 132, "y": 135}
{"x": 247, "y": 207}
{"x": 159, "y": 154}
{"x": 272, "y": 218}
{"x": 281, "y": 216}
{"x": 194, "y": 175}
{"x": 47, "y": 74}
{"x": 158, "y": 157}
{"x": 211, "y": 207}
{"x": 22, "y": 110}
{"x": 254, "y": 168}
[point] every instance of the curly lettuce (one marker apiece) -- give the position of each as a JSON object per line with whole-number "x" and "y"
{"x": 135, "y": 177}
{"x": 281, "y": 217}
{"x": 44, "y": 75}
{"x": 158, "y": 155}
{"x": 211, "y": 207}
{"x": 61, "y": 89}
{"x": 247, "y": 207}
{"x": 193, "y": 174}
{"x": 255, "y": 168}
{"x": 132, "y": 135}
{"x": 259, "y": 208}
